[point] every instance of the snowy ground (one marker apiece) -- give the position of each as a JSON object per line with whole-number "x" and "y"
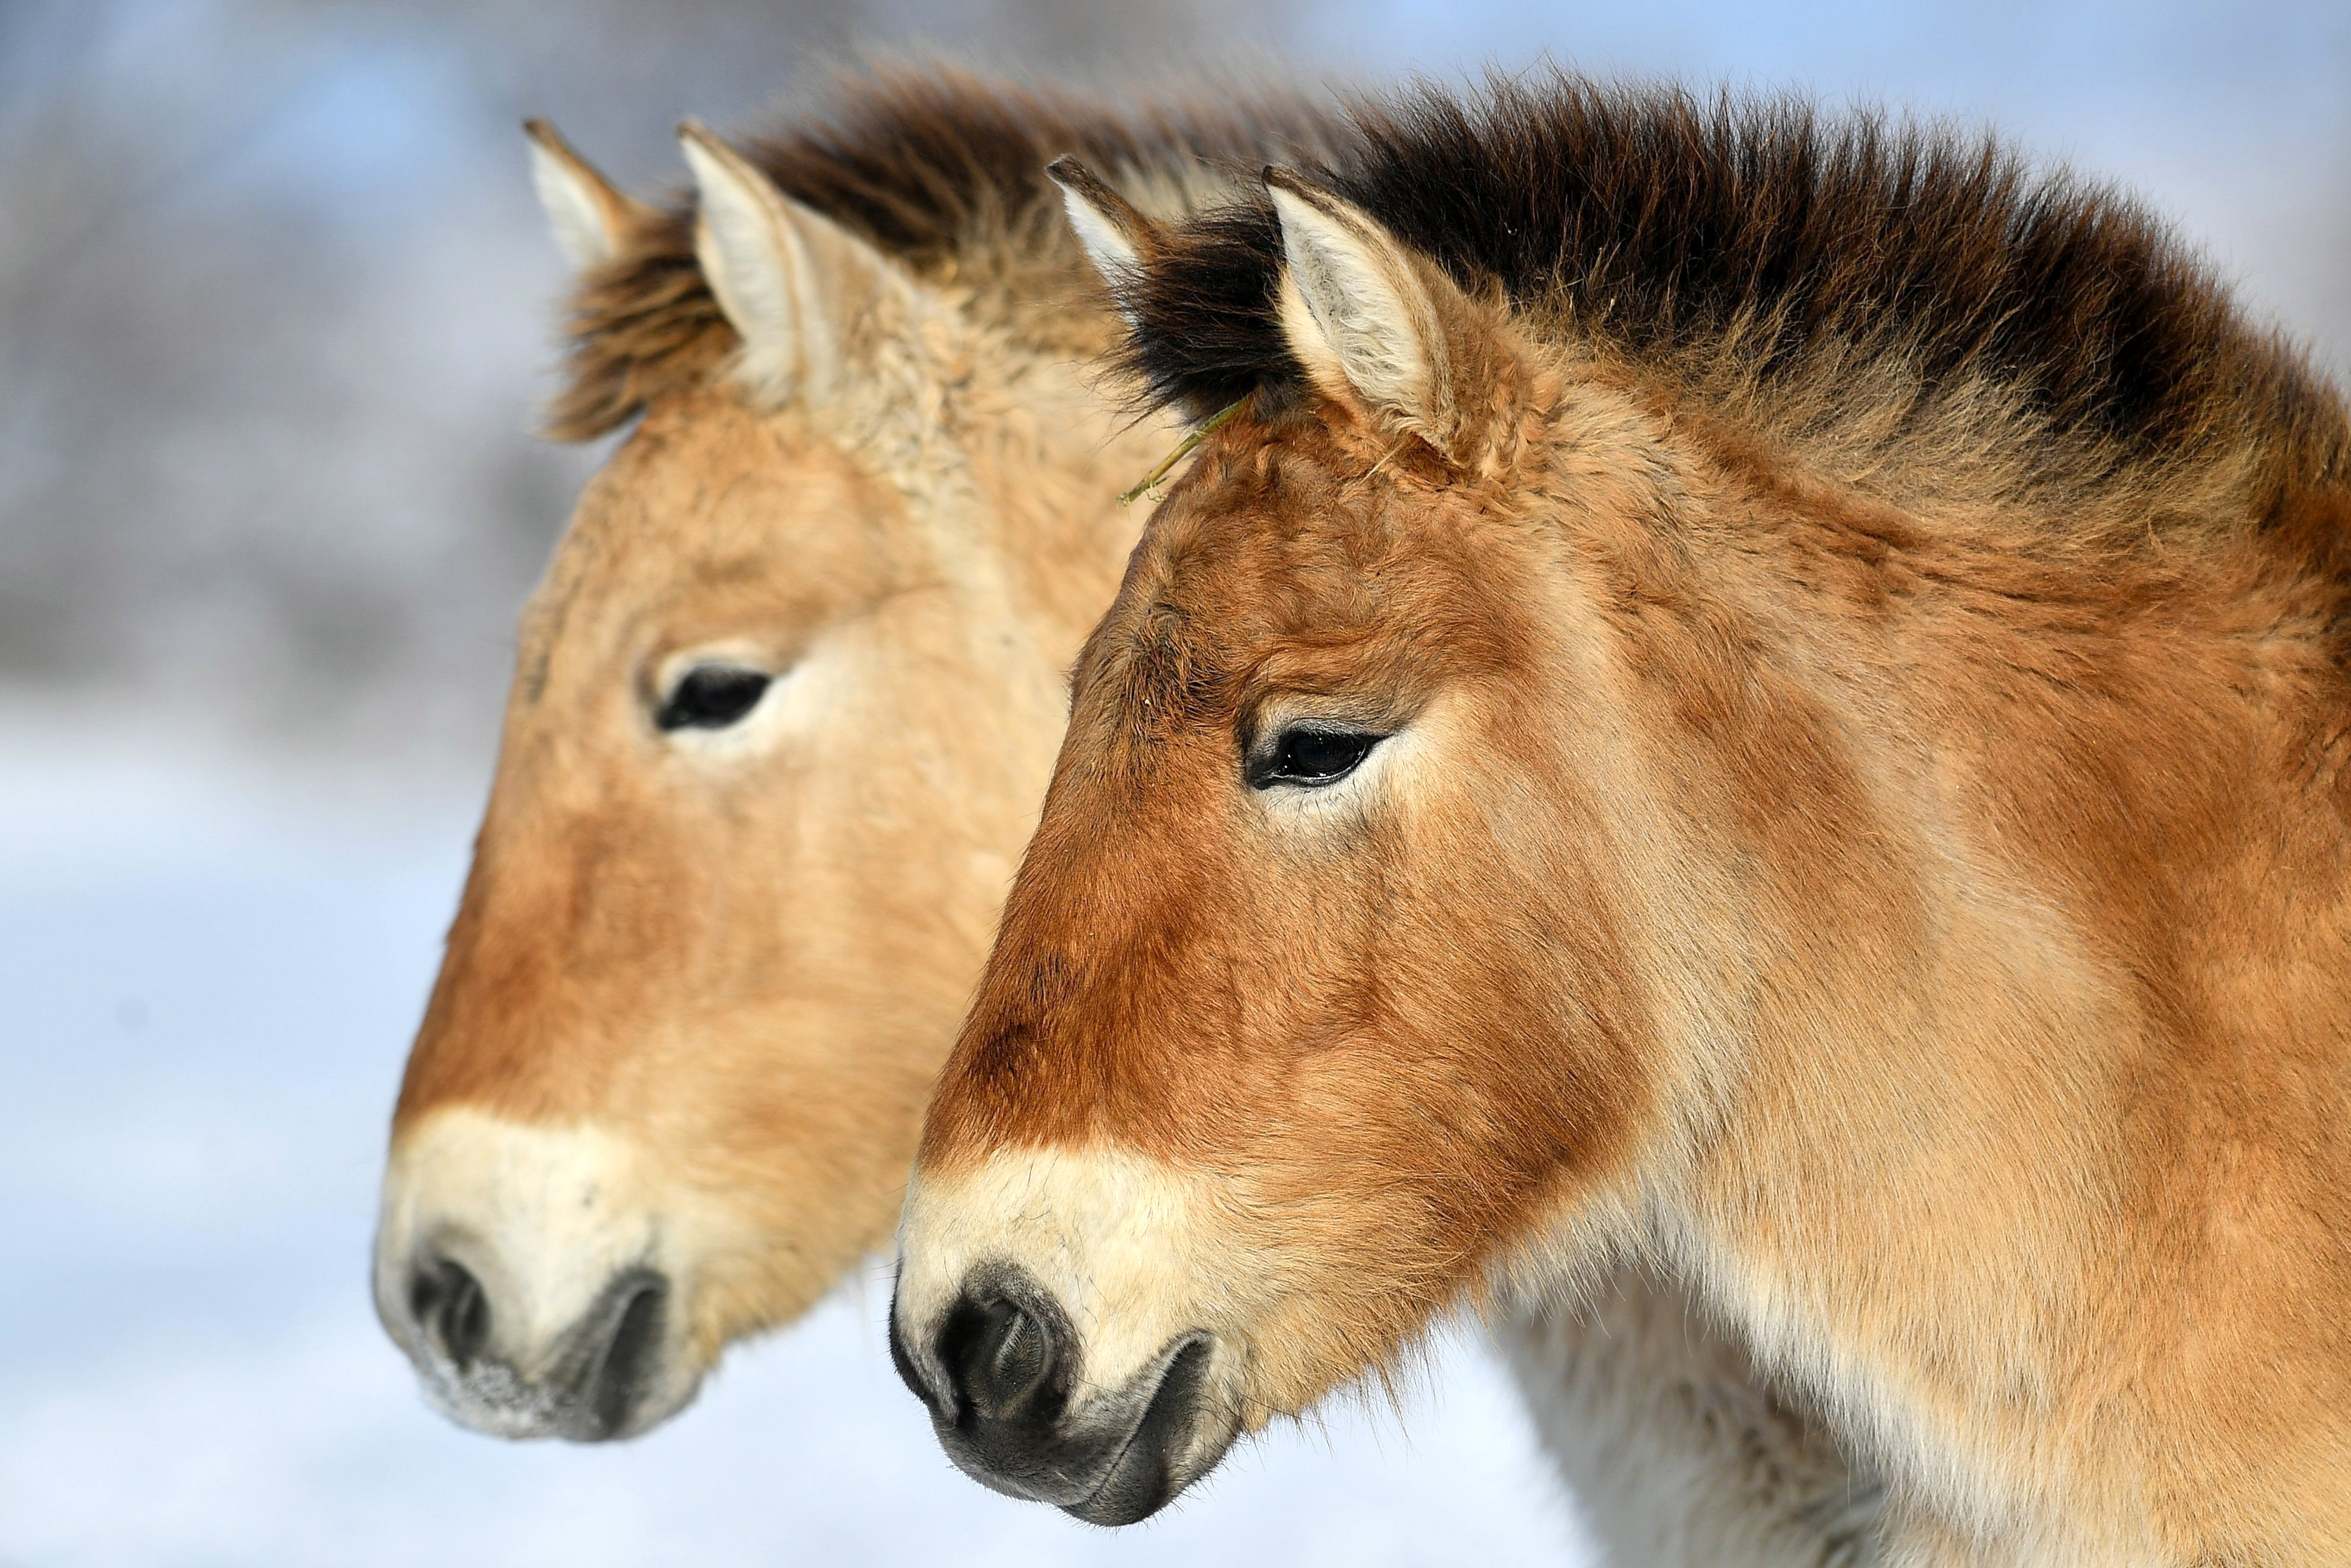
{"x": 208, "y": 980}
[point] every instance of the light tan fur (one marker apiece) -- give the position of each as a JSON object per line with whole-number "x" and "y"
{"x": 739, "y": 956}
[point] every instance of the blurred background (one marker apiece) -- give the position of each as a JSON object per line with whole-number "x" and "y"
{"x": 277, "y": 310}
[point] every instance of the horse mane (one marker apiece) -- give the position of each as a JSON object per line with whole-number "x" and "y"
{"x": 939, "y": 168}
{"x": 1756, "y": 247}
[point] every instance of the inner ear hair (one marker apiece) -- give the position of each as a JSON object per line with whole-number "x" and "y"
{"x": 593, "y": 221}
{"x": 791, "y": 281}
{"x": 1117, "y": 237}
{"x": 1371, "y": 330}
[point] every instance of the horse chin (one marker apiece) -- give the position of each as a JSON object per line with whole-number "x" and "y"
{"x": 492, "y": 1398}
{"x": 1174, "y": 1444}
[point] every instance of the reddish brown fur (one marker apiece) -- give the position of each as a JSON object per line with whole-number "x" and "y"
{"x": 1068, "y": 1041}
{"x": 1888, "y": 858}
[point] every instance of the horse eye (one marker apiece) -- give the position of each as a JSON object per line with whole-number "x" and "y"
{"x": 1311, "y": 757}
{"x": 711, "y": 697}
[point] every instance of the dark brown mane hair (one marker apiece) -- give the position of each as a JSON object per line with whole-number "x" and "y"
{"x": 1750, "y": 241}
{"x": 940, "y": 168}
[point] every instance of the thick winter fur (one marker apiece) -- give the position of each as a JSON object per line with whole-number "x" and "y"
{"x": 1679, "y": 1451}
{"x": 705, "y": 978}
{"x": 700, "y": 984}
{"x": 1857, "y": 633}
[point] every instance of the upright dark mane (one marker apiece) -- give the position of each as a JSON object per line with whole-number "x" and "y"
{"x": 1757, "y": 238}
{"x": 937, "y": 167}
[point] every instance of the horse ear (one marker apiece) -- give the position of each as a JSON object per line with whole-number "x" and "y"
{"x": 593, "y": 221}
{"x": 788, "y": 279}
{"x": 1362, "y": 313}
{"x": 1118, "y": 238}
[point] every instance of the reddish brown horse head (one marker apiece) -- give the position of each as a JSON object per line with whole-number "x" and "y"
{"x": 1760, "y": 694}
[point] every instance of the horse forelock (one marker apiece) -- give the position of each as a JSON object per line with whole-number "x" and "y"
{"x": 941, "y": 169}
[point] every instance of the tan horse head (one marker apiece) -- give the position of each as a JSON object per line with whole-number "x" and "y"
{"x": 1764, "y": 698}
{"x": 784, "y": 707}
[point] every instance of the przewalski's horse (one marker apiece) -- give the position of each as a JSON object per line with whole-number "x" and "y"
{"x": 1760, "y": 694}
{"x": 783, "y": 711}
{"x": 723, "y": 919}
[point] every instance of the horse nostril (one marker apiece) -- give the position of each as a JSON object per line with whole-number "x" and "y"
{"x": 995, "y": 1354}
{"x": 453, "y": 1309}
{"x": 621, "y": 1378}
{"x": 1016, "y": 1362}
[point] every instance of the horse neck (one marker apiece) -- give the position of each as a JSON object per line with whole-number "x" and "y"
{"x": 2000, "y": 837}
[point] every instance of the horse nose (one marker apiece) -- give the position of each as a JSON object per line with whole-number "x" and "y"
{"x": 587, "y": 1381}
{"x": 452, "y": 1310}
{"x": 1001, "y": 1369}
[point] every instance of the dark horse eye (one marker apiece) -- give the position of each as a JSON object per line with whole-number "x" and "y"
{"x": 1311, "y": 757}
{"x": 711, "y": 697}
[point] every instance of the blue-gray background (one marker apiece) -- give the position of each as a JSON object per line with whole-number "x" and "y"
{"x": 274, "y": 311}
